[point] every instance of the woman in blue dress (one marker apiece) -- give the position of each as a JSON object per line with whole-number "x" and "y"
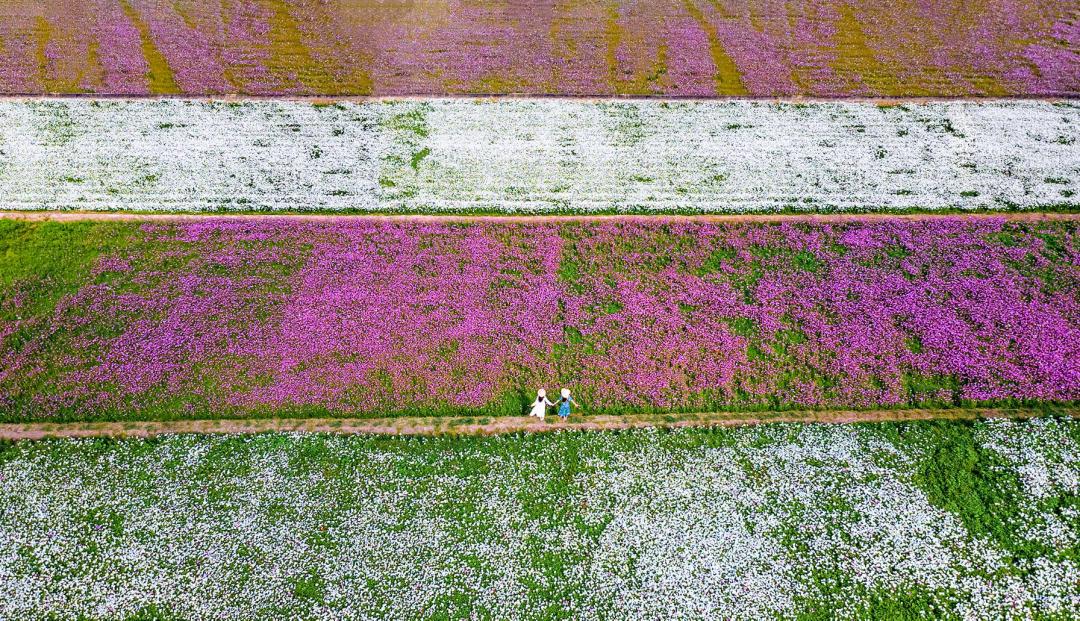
{"x": 565, "y": 402}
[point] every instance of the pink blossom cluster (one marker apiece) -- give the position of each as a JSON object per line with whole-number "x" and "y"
{"x": 668, "y": 47}
{"x": 380, "y": 316}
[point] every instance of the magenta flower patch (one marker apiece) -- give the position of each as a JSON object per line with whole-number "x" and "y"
{"x": 269, "y": 316}
{"x": 660, "y": 47}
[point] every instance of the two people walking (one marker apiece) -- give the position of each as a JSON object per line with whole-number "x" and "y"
{"x": 540, "y": 406}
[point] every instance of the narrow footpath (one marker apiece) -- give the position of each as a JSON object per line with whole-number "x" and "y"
{"x": 466, "y": 218}
{"x": 463, "y": 425}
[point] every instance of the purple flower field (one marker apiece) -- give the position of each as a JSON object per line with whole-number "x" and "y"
{"x": 273, "y": 316}
{"x": 661, "y": 47}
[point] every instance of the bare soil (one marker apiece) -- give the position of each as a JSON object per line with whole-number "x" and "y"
{"x": 881, "y": 100}
{"x": 74, "y": 216}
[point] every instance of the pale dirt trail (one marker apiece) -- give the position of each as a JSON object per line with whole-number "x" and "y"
{"x": 481, "y": 426}
{"x": 111, "y": 216}
{"x": 883, "y": 100}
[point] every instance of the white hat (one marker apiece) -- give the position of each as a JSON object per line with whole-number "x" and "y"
{"x": 541, "y": 393}
{"x": 565, "y": 392}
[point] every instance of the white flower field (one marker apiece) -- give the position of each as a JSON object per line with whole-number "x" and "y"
{"x": 943, "y": 520}
{"x": 537, "y": 156}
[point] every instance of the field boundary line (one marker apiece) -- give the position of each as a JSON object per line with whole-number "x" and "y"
{"x": 119, "y": 216}
{"x": 882, "y": 100}
{"x": 482, "y": 426}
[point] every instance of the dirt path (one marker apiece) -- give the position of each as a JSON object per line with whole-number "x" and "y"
{"x": 74, "y": 216}
{"x": 414, "y": 426}
{"x": 883, "y": 100}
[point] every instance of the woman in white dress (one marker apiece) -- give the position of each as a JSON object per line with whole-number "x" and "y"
{"x": 540, "y": 406}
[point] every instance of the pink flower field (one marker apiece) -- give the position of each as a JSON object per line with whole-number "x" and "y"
{"x": 657, "y": 47}
{"x": 272, "y": 316}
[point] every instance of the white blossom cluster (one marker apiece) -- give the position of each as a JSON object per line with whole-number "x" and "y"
{"x": 760, "y": 523}
{"x": 1047, "y": 464}
{"x": 537, "y": 156}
